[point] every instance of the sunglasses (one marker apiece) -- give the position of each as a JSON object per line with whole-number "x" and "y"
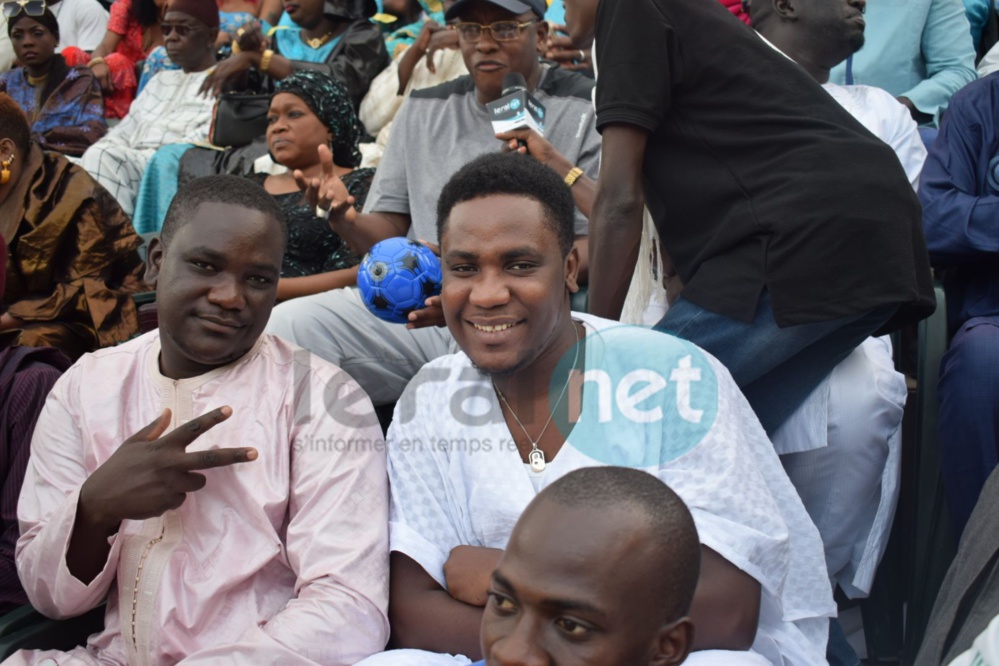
{"x": 502, "y": 31}
{"x": 12, "y": 8}
{"x": 182, "y": 29}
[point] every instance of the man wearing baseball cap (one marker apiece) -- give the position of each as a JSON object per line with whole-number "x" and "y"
{"x": 437, "y": 131}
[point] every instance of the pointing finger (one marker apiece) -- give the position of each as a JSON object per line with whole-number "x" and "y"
{"x": 218, "y": 458}
{"x": 181, "y": 437}
{"x": 326, "y": 159}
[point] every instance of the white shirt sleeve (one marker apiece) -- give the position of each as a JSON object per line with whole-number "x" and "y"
{"x": 6, "y": 48}
{"x": 91, "y": 21}
{"x": 425, "y": 516}
{"x": 47, "y": 508}
{"x": 902, "y": 134}
{"x": 989, "y": 63}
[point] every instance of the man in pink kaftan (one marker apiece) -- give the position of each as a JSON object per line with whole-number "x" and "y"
{"x": 223, "y": 490}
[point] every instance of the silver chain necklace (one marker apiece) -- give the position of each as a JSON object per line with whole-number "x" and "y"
{"x": 536, "y": 458}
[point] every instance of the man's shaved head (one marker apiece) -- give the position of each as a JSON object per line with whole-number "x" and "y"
{"x": 669, "y": 523}
{"x": 600, "y": 569}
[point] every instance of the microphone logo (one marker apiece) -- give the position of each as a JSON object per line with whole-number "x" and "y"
{"x": 516, "y": 109}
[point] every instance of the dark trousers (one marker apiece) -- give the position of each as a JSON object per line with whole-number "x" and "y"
{"x": 969, "y": 414}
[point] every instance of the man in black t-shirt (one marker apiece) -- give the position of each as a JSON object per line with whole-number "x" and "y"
{"x": 794, "y": 230}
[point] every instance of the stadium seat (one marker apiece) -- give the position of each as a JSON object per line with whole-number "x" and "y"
{"x": 922, "y": 544}
{"x": 933, "y": 542}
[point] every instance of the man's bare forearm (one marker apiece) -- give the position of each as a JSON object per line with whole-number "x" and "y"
{"x": 370, "y": 228}
{"x": 615, "y": 236}
{"x": 438, "y": 622}
{"x": 616, "y": 222}
{"x": 726, "y": 606}
{"x": 424, "y": 616}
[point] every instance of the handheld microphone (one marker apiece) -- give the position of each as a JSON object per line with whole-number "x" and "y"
{"x": 516, "y": 109}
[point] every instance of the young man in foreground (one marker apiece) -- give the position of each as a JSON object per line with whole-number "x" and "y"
{"x": 560, "y": 594}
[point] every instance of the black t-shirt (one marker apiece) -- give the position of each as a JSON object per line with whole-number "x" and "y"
{"x": 756, "y": 178}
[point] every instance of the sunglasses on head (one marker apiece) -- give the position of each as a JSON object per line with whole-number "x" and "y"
{"x": 12, "y": 8}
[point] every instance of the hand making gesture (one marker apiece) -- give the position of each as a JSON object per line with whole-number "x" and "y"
{"x": 152, "y": 473}
{"x": 327, "y": 192}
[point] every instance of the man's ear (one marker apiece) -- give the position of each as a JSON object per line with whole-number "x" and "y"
{"x": 542, "y": 34}
{"x": 784, "y": 9}
{"x": 673, "y": 643}
{"x": 154, "y": 259}
{"x": 542, "y": 27}
{"x": 572, "y": 270}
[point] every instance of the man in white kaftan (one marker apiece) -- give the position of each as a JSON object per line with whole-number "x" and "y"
{"x": 458, "y": 482}
{"x": 168, "y": 110}
{"x": 464, "y": 462}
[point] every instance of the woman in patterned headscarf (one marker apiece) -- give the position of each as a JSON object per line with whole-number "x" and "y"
{"x": 310, "y": 110}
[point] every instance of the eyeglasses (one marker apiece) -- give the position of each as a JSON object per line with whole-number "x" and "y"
{"x": 12, "y": 8}
{"x": 502, "y": 31}
{"x": 182, "y": 29}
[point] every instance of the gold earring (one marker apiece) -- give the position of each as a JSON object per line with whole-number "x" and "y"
{"x": 5, "y": 170}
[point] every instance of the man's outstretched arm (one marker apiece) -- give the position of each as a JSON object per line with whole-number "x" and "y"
{"x": 616, "y": 222}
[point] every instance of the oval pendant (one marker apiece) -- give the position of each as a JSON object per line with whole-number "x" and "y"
{"x": 536, "y": 458}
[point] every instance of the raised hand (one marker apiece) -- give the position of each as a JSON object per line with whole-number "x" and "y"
{"x": 432, "y": 312}
{"x": 531, "y": 143}
{"x": 327, "y": 192}
{"x": 559, "y": 48}
{"x": 152, "y": 473}
{"x": 250, "y": 37}
{"x": 225, "y": 71}
{"x": 441, "y": 39}
{"x": 413, "y": 55}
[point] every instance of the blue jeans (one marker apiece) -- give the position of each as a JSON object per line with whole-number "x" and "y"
{"x": 776, "y": 368}
{"x": 839, "y": 651}
{"x": 969, "y": 415}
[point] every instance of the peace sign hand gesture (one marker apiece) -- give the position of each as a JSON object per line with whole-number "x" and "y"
{"x": 152, "y": 473}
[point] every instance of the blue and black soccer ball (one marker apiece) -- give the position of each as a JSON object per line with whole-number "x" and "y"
{"x": 396, "y": 277}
